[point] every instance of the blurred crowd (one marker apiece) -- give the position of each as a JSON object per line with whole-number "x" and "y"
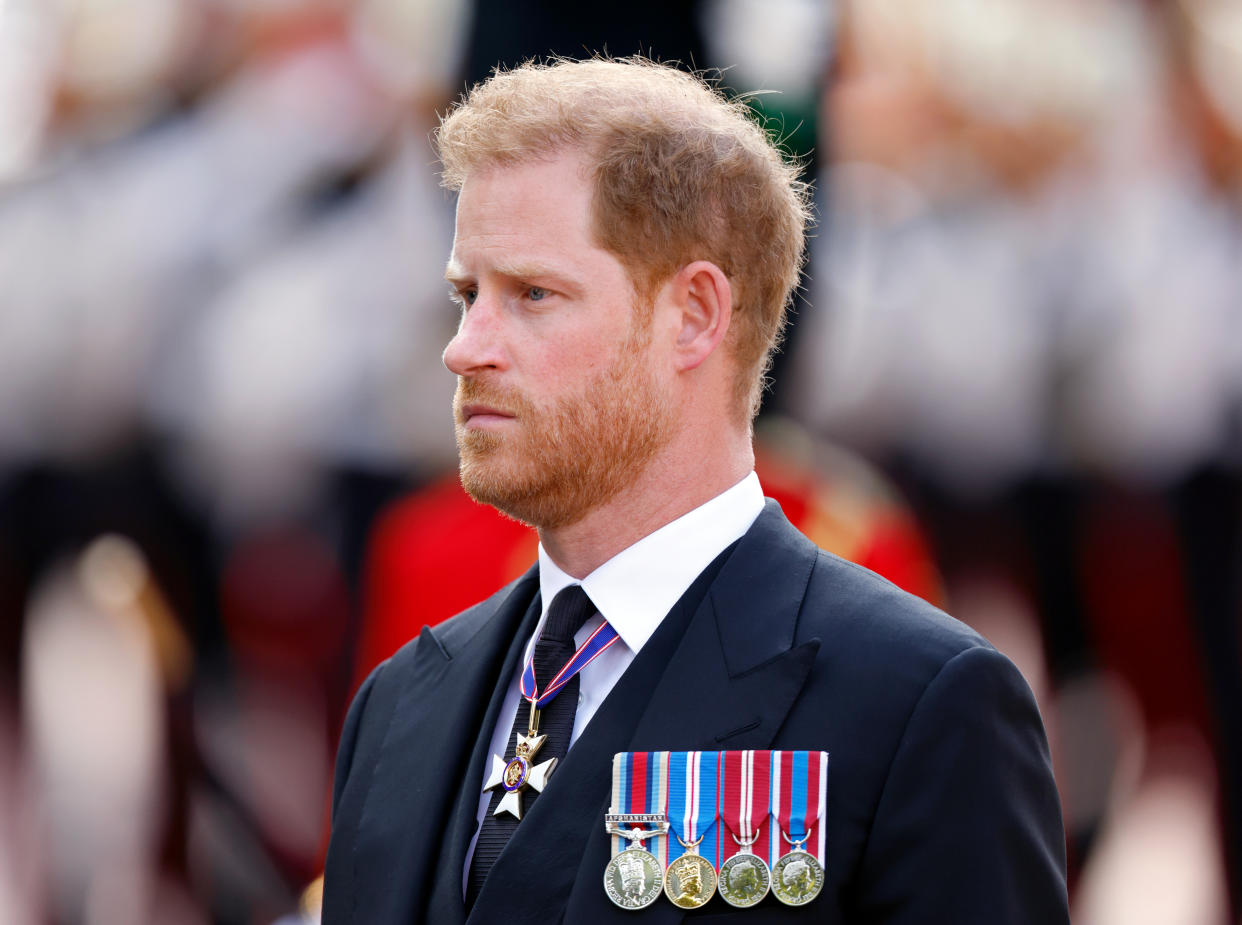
{"x": 1026, "y": 305}
{"x": 225, "y": 438}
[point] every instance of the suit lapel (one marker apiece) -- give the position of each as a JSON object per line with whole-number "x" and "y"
{"x": 428, "y": 753}
{"x": 735, "y": 674}
{"x": 446, "y": 903}
{"x": 720, "y": 672}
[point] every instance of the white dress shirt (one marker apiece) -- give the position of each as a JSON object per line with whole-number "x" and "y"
{"x": 633, "y": 590}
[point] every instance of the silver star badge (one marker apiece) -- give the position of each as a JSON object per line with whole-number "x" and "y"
{"x": 518, "y": 773}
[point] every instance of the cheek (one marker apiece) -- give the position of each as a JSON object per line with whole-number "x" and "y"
{"x": 576, "y": 360}
{"x": 561, "y": 352}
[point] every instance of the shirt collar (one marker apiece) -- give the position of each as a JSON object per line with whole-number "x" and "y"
{"x": 639, "y": 585}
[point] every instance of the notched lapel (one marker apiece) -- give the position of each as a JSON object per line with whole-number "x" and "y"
{"x": 699, "y": 705}
{"x": 735, "y": 674}
{"x": 760, "y": 592}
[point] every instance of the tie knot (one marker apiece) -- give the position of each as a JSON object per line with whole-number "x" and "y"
{"x": 569, "y": 610}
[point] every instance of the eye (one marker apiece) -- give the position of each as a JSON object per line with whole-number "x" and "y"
{"x": 464, "y": 296}
{"x": 536, "y": 294}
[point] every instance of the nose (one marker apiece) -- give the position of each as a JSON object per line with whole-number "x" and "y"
{"x": 476, "y": 345}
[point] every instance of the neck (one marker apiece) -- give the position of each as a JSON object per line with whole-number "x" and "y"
{"x": 679, "y": 480}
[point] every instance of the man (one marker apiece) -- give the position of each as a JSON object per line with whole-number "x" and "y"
{"x": 626, "y": 244}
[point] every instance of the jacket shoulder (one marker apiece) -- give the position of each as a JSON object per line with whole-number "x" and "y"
{"x": 849, "y": 606}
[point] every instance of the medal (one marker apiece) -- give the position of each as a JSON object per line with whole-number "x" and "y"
{"x": 690, "y": 880}
{"x": 799, "y": 793}
{"x": 744, "y": 877}
{"x": 632, "y": 878}
{"x": 797, "y": 877}
{"x": 520, "y": 772}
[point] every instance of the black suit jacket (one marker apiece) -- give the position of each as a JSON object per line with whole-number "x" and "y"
{"x": 941, "y": 804}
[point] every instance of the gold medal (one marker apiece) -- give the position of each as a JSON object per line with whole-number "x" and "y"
{"x": 690, "y": 880}
{"x": 744, "y": 878}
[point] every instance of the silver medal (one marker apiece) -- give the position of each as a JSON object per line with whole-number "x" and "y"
{"x": 797, "y": 878}
{"x": 744, "y": 878}
{"x": 633, "y": 879}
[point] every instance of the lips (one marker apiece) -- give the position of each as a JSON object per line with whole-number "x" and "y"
{"x": 477, "y": 414}
{"x": 482, "y": 404}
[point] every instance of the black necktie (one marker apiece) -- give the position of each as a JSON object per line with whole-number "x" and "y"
{"x": 570, "y": 609}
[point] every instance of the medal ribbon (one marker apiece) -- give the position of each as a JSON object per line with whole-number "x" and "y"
{"x": 639, "y": 785}
{"x": 603, "y": 637}
{"x": 744, "y": 800}
{"x": 693, "y": 784}
{"x": 799, "y": 795}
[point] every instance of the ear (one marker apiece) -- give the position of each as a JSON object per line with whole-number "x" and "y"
{"x": 704, "y": 300}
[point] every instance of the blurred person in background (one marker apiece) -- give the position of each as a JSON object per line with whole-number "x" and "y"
{"x": 103, "y": 656}
{"x": 1155, "y": 405}
{"x": 1028, "y": 313}
{"x": 168, "y": 367}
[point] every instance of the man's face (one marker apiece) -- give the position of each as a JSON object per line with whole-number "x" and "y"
{"x": 560, "y": 399}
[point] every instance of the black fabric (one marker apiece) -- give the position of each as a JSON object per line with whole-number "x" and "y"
{"x": 570, "y": 609}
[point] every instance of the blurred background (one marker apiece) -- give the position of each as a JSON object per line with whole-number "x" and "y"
{"x": 1013, "y": 384}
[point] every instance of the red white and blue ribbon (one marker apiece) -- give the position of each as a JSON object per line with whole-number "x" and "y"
{"x": 744, "y": 795}
{"x": 755, "y": 793}
{"x": 596, "y": 644}
{"x": 693, "y": 788}
{"x": 799, "y": 795}
{"x": 640, "y": 785}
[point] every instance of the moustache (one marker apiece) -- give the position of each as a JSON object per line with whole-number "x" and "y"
{"x": 480, "y": 392}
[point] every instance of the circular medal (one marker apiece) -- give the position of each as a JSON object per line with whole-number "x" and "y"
{"x": 797, "y": 878}
{"x": 690, "y": 881}
{"x": 632, "y": 879}
{"x": 744, "y": 880}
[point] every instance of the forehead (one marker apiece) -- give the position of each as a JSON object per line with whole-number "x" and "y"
{"x": 526, "y": 200}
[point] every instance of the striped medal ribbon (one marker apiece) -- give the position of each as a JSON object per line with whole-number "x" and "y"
{"x": 744, "y": 800}
{"x": 799, "y": 794}
{"x": 595, "y": 646}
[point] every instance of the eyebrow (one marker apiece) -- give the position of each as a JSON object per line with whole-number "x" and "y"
{"x": 456, "y": 274}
